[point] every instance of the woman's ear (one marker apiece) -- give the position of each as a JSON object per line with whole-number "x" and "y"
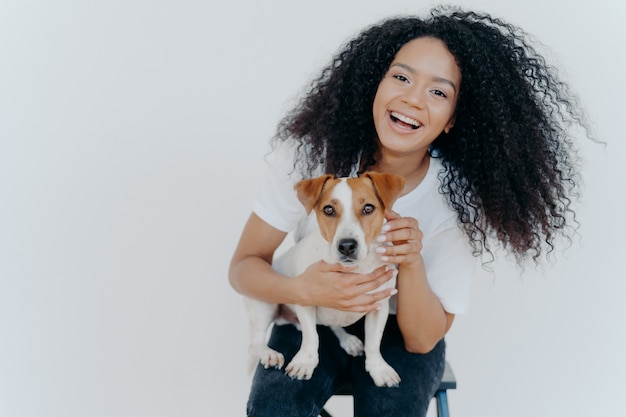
{"x": 449, "y": 125}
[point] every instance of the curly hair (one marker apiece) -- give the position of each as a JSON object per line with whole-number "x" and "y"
{"x": 510, "y": 167}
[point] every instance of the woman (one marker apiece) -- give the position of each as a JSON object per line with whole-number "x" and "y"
{"x": 463, "y": 108}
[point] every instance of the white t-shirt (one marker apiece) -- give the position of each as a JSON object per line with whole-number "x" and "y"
{"x": 446, "y": 251}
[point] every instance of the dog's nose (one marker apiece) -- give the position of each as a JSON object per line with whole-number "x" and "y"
{"x": 347, "y": 246}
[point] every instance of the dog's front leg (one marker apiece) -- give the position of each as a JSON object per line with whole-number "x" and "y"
{"x": 305, "y": 361}
{"x": 381, "y": 372}
{"x": 261, "y": 315}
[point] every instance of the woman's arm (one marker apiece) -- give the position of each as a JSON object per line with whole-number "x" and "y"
{"x": 250, "y": 271}
{"x": 421, "y": 317}
{"x": 322, "y": 284}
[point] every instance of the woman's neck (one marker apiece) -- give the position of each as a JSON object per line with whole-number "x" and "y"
{"x": 412, "y": 169}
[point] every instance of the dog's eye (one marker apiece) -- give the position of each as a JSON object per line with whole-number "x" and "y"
{"x": 368, "y": 209}
{"x": 329, "y": 210}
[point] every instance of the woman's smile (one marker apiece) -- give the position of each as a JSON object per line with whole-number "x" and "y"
{"x": 404, "y": 121}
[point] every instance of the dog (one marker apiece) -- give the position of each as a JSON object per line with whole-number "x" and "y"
{"x": 350, "y": 215}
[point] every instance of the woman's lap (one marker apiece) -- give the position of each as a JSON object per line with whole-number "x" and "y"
{"x": 420, "y": 377}
{"x": 275, "y": 394}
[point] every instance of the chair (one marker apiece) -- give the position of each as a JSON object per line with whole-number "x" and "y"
{"x": 441, "y": 395}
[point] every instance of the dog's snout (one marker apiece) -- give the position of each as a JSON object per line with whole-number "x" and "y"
{"x": 347, "y": 247}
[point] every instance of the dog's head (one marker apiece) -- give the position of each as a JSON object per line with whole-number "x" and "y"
{"x": 350, "y": 211}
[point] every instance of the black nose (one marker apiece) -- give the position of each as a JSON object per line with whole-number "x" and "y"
{"x": 347, "y": 246}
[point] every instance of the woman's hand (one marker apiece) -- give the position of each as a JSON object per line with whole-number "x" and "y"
{"x": 405, "y": 235}
{"x": 335, "y": 286}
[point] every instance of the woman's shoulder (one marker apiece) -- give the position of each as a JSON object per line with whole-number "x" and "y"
{"x": 276, "y": 202}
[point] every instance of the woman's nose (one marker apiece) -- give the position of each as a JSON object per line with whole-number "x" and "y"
{"x": 414, "y": 97}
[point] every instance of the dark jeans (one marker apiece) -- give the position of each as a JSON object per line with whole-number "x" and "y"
{"x": 274, "y": 394}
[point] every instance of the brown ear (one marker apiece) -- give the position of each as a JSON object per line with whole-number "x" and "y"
{"x": 309, "y": 191}
{"x": 387, "y": 186}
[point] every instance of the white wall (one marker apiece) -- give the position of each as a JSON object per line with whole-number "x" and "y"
{"x": 131, "y": 142}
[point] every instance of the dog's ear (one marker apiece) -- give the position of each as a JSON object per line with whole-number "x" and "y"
{"x": 387, "y": 186}
{"x": 309, "y": 191}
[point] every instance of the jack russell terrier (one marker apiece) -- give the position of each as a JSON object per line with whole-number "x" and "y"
{"x": 350, "y": 215}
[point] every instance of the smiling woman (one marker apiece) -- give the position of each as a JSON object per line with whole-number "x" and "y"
{"x": 465, "y": 109}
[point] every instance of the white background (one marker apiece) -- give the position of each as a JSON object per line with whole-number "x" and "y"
{"x": 132, "y": 136}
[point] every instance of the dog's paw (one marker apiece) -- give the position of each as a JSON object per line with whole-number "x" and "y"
{"x": 351, "y": 344}
{"x": 302, "y": 366}
{"x": 382, "y": 373}
{"x": 268, "y": 357}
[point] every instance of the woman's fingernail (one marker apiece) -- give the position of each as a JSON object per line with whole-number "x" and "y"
{"x": 386, "y": 227}
{"x": 384, "y": 258}
{"x": 394, "y": 291}
{"x": 380, "y": 249}
{"x": 381, "y": 238}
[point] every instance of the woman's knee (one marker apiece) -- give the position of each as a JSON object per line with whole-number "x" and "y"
{"x": 274, "y": 394}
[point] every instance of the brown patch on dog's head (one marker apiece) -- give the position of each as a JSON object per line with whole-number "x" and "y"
{"x": 372, "y": 193}
{"x": 309, "y": 191}
{"x": 318, "y": 194}
{"x": 387, "y": 186}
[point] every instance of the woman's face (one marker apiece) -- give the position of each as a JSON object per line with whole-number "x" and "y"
{"x": 416, "y": 98}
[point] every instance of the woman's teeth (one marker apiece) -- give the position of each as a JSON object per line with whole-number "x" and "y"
{"x": 405, "y": 119}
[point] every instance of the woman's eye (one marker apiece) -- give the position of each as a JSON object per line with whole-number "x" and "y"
{"x": 329, "y": 210}
{"x": 368, "y": 209}
{"x": 439, "y": 93}
{"x": 401, "y": 78}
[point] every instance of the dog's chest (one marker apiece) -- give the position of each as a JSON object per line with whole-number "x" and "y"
{"x": 311, "y": 249}
{"x": 331, "y": 317}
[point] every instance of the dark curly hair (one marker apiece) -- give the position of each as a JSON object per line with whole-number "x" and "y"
{"x": 510, "y": 164}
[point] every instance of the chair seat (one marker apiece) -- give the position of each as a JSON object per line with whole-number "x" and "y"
{"x": 448, "y": 381}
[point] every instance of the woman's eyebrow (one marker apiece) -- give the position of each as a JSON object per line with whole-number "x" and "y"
{"x": 413, "y": 71}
